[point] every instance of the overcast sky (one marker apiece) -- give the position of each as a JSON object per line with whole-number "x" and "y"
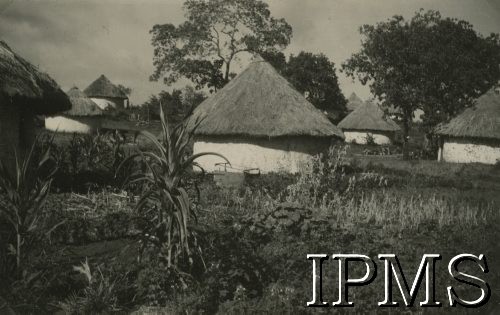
{"x": 75, "y": 41}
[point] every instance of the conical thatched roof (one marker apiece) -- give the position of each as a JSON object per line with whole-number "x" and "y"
{"x": 24, "y": 85}
{"x": 479, "y": 121}
{"x": 353, "y": 102}
{"x": 82, "y": 105}
{"x": 261, "y": 103}
{"x": 368, "y": 116}
{"x": 102, "y": 87}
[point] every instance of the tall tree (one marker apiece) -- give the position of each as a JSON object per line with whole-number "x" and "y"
{"x": 316, "y": 74}
{"x": 204, "y": 47}
{"x": 125, "y": 89}
{"x": 191, "y": 98}
{"x": 429, "y": 62}
{"x": 277, "y": 59}
{"x": 176, "y": 105}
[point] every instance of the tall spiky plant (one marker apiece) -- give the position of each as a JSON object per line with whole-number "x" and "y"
{"x": 165, "y": 201}
{"x": 23, "y": 191}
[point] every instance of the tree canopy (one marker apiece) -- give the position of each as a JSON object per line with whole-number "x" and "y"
{"x": 125, "y": 89}
{"x": 177, "y": 105}
{"x": 429, "y": 62}
{"x": 314, "y": 74}
{"x": 203, "y": 48}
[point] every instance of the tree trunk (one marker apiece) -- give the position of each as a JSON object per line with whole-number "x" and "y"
{"x": 226, "y": 74}
{"x": 406, "y": 132}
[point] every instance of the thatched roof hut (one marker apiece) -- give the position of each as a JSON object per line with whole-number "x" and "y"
{"x": 396, "y": 113}
{"x": 353, "y": 102}
{"x": 82, "y": 105}
{"x": 366, "y": 121}
{"x": 473, "y": 135}
{"x": 102, "y": 87}
{"x": 368, "y": 116}
{"x": 83, "y": 117}
{"x": 261, "y": 103}
{"x": 258, "y": 120}
{"x": 482, "y": 120}
{"x": 24, "y": 85}
{"x": 105, "y": 94}
{"x": 24, "y": 93}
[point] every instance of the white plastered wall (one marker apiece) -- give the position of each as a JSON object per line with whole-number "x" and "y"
{"x": 65, "y": 124}
{"x": 104, "y": 103}
{"x": 469, "y": 151}
{"x": 286, "y": 154}
{"x": 360, "y": 137}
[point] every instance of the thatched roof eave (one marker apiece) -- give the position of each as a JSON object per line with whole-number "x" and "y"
{"x": 82, "y": 106}
{"x": 261, "y": 103}
{"x": 265, "y": 136}
{"x": 368, "y": 116}
{"x": 482, "y": 121}
{"x": 23, "y": 84}
{"x": 103, "y": 88}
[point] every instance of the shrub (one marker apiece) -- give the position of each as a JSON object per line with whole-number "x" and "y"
{"x": 90, "y": 218}
{"x": 329, "y": 177}
{"x": 157, "y": 284}
{"x": 232, "y": 263}
{"x": 90, "y": 160}
{"x": 274, "y": 184}
{"x": 24, "y": 190}
{"x": 99, "y": 295}
{"x": 370, "y": 140}
{"x": 321, "y": 179}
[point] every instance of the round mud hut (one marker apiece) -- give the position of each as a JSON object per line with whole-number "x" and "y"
{"x": 105, "y": 94}
{"x": 259, "y": 122}
{"x": 474, "y": 135}
{"x": 24, "y": 93}
{"x": 353, "y": 102}
{"x": 367, "y": 124}
{"x": 83, "y": 117}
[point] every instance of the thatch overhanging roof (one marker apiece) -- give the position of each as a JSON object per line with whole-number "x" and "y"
{"x": 482, "y": 120}
{"x": 82, "y": 105}
{"x": 353, "y": 102}
{"x": 368, "y": 116}
{"x": 261, "y": 103}
{"x": 25, "y": 85}
{"x": 102, "y": 87}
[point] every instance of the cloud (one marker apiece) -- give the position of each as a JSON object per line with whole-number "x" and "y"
{"x": 75, "y": 41}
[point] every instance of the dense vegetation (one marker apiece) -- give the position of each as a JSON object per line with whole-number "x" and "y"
{"x": 429, "y": 62}
{"x": 101, "y": 247}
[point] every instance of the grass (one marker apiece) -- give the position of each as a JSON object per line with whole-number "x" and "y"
{"x": 426, "y": 207}
{"x": 384, "y": 209}
{"x": 421, "y": 207}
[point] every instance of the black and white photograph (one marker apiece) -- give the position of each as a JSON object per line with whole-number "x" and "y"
{"x": 174, "y": 157}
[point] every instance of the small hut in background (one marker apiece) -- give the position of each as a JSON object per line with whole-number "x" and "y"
{"x": 353, "y": 102}
{"x": 258, "y": 121}
{"x": 106, "y": 95}
{"x": 83, "y": 117}
{"x": 24, "y": 93}
{"x": 367, "y": 123}
{"x": 396, "y": 114}
{"x": 474, "y": 135}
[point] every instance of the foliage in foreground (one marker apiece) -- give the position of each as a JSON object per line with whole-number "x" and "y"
{"x": 165, "y": 202}
{"x": 23, "y": 191}
{"x": 253, "y": 242}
